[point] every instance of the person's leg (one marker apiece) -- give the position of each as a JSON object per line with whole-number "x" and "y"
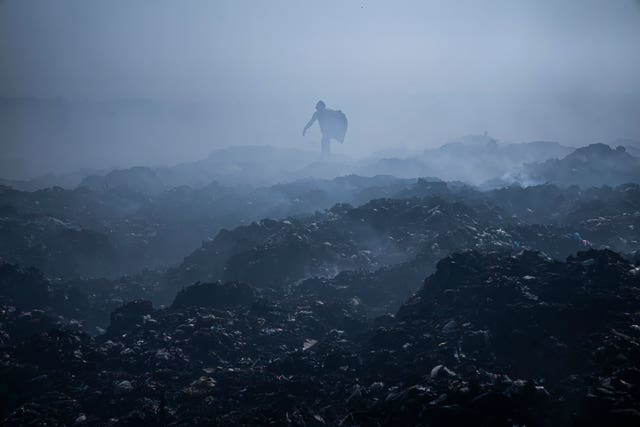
{"x": 326, "y": 149}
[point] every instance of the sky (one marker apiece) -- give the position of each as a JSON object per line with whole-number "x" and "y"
{"x": 116, "y": 83}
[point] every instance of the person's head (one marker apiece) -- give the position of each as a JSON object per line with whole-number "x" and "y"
{"x": 320, "y": 106}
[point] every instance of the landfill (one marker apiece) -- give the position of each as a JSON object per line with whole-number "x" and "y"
{"x": 488, "y": 339}
{"x": 408, "y": 302}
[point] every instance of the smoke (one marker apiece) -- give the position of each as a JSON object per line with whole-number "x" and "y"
{"x": 114, "y": 84}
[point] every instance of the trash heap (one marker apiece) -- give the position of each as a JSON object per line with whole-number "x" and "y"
{"x": 88, "y": 303}
{"x": 517, "y": 340}
{"x": 592, "y": 165}
{"x": 375, "y": 245}
{"x": 107, "y": 232}
{"x": 489, "y": 339}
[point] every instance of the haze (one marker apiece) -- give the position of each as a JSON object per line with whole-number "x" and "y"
{"x": 100, "y": 84}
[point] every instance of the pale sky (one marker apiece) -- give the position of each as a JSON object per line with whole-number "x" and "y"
{"x": 406, "y": 73}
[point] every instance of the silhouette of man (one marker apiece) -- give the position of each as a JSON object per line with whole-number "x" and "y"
{"x": 333, "y": 124}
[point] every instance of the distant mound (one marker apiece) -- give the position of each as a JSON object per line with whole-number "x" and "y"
{"x": 631, "y": 145}
{"x": 593, "y": 165}
{"x": 474, "y": 159}
{"x": 68, "y": 181}
{"x": 137, "y": 179}
{"x": 247, "y": 165}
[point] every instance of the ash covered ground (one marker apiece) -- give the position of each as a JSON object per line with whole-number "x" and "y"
{"x": 174, "y": 297}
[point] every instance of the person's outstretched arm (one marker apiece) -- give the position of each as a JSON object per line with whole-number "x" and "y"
{"x": 311, "y": 121}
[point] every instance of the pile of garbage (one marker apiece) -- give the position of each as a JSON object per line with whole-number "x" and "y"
{"x": 593, "y": 165}
{"x": 528, "y": 316}
{"x": 152, "y": 229}
{"x": 88, "y": 303}
{"x": 113, "y": 231}
{"x": 53, "y": 245}
{"x": 489, "y": 339}
{"x": 377, "y": 253}
{"x": 347, "y": 243}
{"x": 522, "y": 339}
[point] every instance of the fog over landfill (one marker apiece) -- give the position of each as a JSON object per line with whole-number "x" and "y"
{"x": 118, "y": 84}
{"x": 330, "y": 213}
